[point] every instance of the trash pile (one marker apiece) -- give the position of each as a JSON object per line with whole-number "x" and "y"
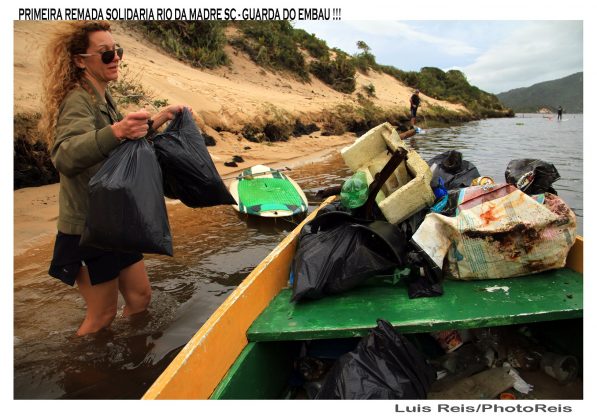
{"x": 430, "y": 222}
{"x": 490, "y": 363}
{"x": 126, "y": 196}
{"x": 485, "y": 363}
{"x": 438, "y": 219}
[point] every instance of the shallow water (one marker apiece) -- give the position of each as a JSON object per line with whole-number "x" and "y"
{"x": 214, "y": 250}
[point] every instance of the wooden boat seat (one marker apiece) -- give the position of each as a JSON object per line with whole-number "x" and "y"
{"x": 552, "y": 295}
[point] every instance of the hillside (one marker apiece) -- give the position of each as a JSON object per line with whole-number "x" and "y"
{"x": 245, "y": 94}
{"x": 566, "y": 92}
{"x": 226, "y": 96}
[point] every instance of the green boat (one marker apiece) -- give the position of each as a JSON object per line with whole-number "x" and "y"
{"x": 245, "y": 350}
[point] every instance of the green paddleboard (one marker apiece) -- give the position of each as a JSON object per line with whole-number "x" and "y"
{"x": 266, "y": 192}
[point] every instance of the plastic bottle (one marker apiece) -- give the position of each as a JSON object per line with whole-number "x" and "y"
{"x": 355, "y": 191}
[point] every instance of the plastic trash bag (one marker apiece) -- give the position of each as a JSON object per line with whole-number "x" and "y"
{"x": 499, "y": 232}
{"x": 452, "y": 169}
{"x": 337, "y": 252}
{"x": 533, "y": 176}
{"x": 425, "y": 277}
{"x": 385, "y": 365}
{"x": 126, "y": 203}
{"x": 188, "y": 170}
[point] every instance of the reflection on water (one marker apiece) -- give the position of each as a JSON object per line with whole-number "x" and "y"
{"x": 214, "y": 250}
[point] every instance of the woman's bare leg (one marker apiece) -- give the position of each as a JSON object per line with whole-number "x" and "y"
{"x": 135, "y": 288}
{"x": 101, "y": 300}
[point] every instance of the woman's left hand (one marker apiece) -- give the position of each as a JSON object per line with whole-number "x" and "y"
{"x": 172, "y": 110}
{"x": 167, "y": 114}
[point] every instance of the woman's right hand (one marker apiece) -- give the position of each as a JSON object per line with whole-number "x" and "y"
{"x": 133, "y": 126}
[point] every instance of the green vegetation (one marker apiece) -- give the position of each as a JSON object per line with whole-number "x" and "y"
{"x": 275, "y": 124}
{"x": 360, "y": 118}
{"x": 339, "y": 73}
{"x": 364, "y": 60}
{"x": 128, "y": 90}
{"x": 272, "y": 44}
{"x": 451, "y": 86}
{"x": 316, "y": 47}
{"x": 370, "y": 89}
{"x": 199, "y": 43}
{"x": 566, "y": 92}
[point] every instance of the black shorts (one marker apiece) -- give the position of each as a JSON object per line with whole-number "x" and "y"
{"x": 102, "y": 265}
{"x": 413, "y": 111}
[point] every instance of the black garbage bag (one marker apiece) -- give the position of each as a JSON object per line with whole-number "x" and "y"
{"x": 126, "y": 203}
{"x": 188, "y": 171}
{"x": 425, "y": 276}
{"x": 337, "y": 252}
{"x": 455, "y": 171}
{"x": 533, "y": 176}
{"x": 385, "y": 365}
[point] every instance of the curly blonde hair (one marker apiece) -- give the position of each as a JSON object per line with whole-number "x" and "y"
{"x": 61, "y": 75}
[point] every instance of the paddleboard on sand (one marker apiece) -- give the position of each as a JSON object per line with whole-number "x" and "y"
{"x": 267, "y": 192}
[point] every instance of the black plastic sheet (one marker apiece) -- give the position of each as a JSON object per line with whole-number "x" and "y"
{"x": 188, "y": 170}
{"x": 126, "y": 203}
{"x": 385, "y": 365}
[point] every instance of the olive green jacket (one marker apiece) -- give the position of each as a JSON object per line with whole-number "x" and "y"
{"x": 83, "y": 141}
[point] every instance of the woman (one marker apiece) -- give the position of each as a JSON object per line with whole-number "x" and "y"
{"x": 82, "y": 125}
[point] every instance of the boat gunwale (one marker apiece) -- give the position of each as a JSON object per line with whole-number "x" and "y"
{"x": 170, "y": 384}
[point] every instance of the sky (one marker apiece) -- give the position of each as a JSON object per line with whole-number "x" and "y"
{"x": 495, "y": 55}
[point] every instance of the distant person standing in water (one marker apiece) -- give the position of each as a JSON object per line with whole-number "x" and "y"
{"x": 559, "y": 112}
{"x": 415, "y": 101}
{"x": 82, "y": 125}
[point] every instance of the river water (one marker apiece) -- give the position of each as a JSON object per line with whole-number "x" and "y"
{"x": 214, "y": 250}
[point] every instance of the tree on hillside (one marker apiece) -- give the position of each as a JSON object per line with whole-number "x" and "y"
{"x": 364, "y": 60}
{"x": 362, "y": 45}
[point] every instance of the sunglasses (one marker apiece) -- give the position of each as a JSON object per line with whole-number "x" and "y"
{"x": 107, "y": 56}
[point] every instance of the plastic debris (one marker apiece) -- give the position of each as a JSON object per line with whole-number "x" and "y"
{"x": 492, "y": 289}
{"x": 519, "y": 384}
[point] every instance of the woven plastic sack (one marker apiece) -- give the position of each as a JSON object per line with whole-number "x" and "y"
{"x": 499, "y": 232}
